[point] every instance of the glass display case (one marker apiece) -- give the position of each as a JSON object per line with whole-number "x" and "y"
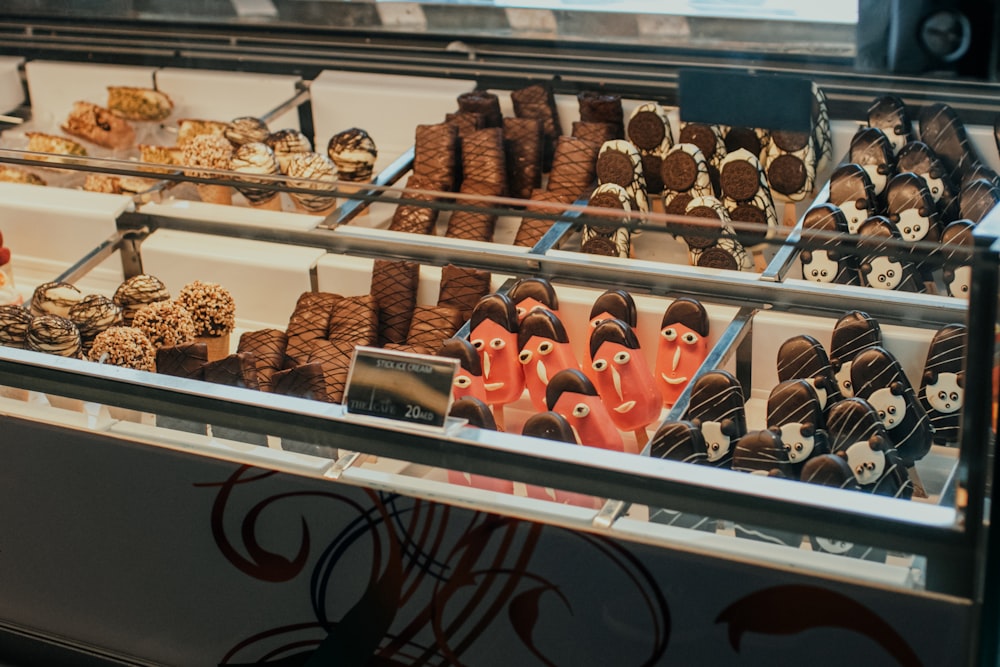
{"x": 235, "y": 507}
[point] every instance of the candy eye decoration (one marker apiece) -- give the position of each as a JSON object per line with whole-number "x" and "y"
{"x": 478, "y": 343}
{"x": 670, "y": 334}
{"x": 546, "y": 347}
{"x": 622, "y": 358}
{"x": 689, "y": 338}
{"x": 581, "y": 410}
{"x": 498, "y": 343}
{"x": 600, "y": 365}
{"x": 521, "y": 311}
{"x": 524, "y": 357}
{"x": 714, "y": 446}
{"x": 463, "y": 381}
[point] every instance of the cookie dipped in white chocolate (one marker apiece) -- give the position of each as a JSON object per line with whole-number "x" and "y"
{"x": 14, "y": 321}
{"x": 55, "y": 298}
{"x": 318, "y": 173}
{"x": 53, "y": 335}
{"x": 256, "y": 158}
{"x": 245, "y": 130}
{"x": 354, "y": 153}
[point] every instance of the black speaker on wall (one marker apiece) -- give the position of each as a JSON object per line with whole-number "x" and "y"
{"x": 930, "y": 36}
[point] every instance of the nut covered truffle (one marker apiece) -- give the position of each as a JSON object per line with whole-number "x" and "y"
{"x": 165, "y": 323}
{"x": 124, "y": 346}
{"x": 212, "y": 151}
{"x": 211, "y": 306}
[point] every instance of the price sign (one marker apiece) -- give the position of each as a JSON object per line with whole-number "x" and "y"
{"x": 412, "y": 388}
{"x": 748, "y": 100}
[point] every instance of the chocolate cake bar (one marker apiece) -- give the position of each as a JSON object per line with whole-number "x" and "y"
{"x": 414, "y": 218}
{"x": 334, "y": 356}
{"x": 432, "y": 325}
{"x": 594, "y": 132}
{"x": 537, "y": 101}
{"x": 303, "y": 381}
{"x": 596, "y": 107}
{"x": 236, "y": 370}
{"x": 394, "y": 287}
{"x": 522, "y": 138}
{"x": 482, "y": 102}
{"x": 462, "y": 288}
{"x": 186, "y": 360}
{"x": 533, "y": 228}
{"x": 355, "y": 320}
{"x": 435, "y": 156}
{"x": 309, "y": 321}
{"x": 484, "y": 162}
{"x": 573, "y": 168}
{"x": 268, "y": 348}
{"x": 466, "y": 122}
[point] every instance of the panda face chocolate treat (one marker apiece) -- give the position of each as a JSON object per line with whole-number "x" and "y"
{"x": 858, "y": 436}
{"x": 761, "y": 453}
{"x": 827, "y": 264}
{"x": 956, "y": 271}
{"x": 943, "y": 131}
{"x": 871, "y": 149}
{"x": 803, "y": 358}
{"x": 794, "y": 411}
{"x": 679, "y": 441}
{"x": 879, "y": 379}
{"x": 942, "y": 387}
{"x": 888, "y": 113}
{"x": 544, "y": 350}
{"x": 884, "y": 266}
{"x": 682, "y": 347}
{"x": 911, "y": 209}
{"x": 717, "y": 408}
{"x": 917, "y": 157}
{"x": 977, "y": 198}
{"x": 851, "y": 191}
{"x": 854, "y": 332}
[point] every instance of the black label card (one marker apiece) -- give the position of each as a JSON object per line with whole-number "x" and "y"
{"x": 412, "y": 388}
{"x": 741, "y": 99}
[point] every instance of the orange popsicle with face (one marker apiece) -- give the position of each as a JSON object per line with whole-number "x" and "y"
{"x": 469, "y": 377}
{"x": 614, "y": 304}
{"x": 530, "y": 293}
{"x": 573, "y": 396}
{"x": 494, "y": 335}
{"x": 544, "y": 351}
{"x": 624, "y": 381}
{"x": 682, "y": 347}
